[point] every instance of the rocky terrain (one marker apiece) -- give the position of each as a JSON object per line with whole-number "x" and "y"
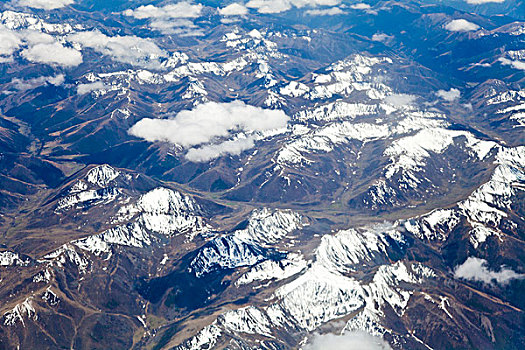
{"x": 262, "y": 175}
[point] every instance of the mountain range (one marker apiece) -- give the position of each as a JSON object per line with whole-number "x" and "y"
{"x": 275, "y": 174}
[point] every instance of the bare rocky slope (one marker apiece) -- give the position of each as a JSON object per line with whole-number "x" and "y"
{"x": 361, "y": 171}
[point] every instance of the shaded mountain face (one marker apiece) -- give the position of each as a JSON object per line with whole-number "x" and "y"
{"x": 214, "y": 175}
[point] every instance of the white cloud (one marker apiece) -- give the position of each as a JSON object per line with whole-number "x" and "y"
{"x": 37, "y": 47}
{"x": 515, "y": 64}
{"x": 53, "y": 53}
{"x": 20, "y": 84}
{"x": 181, "y": 26}
{"x": 126, "y": 49}
{"x": 44, "y": 4}
{"x": 400, "y": 100}
{"x": 347, "y": 341}
{"x": 181, "y": 9}
{"x": 210, "y": 123}
{"x": 276, "y": 6}
{"x": 360, "y": 6}
{"x": 9, "y": 43}
{"x": 170, "y": 19}
{"x": 381, "y": 37}
{"x": 234, "y": 9}
{"x": 83, "y": 89}
{"x": 461, "y": 25}
{"x": 32, "y": 37}
{"x": 363, "y": 7}
{"x": 479, "y": 64}
{"x": 332, "y": 11}
{"x": 209, "y": 152}
{"x": 12, "y": 40}
{"x": 450, "y": 95}
{"x": 269, "y": 6}
{"x": 476, "y": 269}
{"x": 479, "y": 2}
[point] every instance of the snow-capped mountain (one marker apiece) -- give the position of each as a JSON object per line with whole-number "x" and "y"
{"x": 197, "y": 175}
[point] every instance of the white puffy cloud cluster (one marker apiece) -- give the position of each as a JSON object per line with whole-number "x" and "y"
{"x": 83, "y": 89}
{"x": 401, "y": 100}
{"x": 276, "y": 6}
{"x": 126, "y": 49}
{"x": 170, "y": 19}
{"x": 363, "y": 7}
{"x": 331, "y": 11}
{"x": 513, "y": 63}
{"x": 39, "y": 47}
{"x": 20, "y": 84}
{"x": 347, "y": 341}
{"x": 66, "y": 51}
{"x": 360, "y": 6}
{"x": 208, "y": 125}
{"x": 209, "y": 152}
{"x": 43, "y": 4}
{"x": 381, "y": 37}
{"x": 450, "y": 95}
{"x": 36, "y": 47}
{"x": 475, "y": 269}
{"x": 53, "y": 53}
{"x": 9, "y": 43}
{"x": 461, "y": 25}
{"x": 179, "y": 10}
{"x": 234, "y": 9}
